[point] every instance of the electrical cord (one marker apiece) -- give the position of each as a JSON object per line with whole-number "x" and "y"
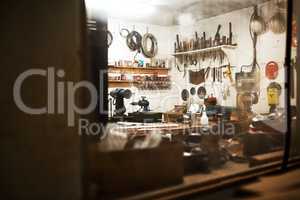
{"x": 153, "y": 50}
{"x": 254, "y": 41}
{"x": 134, "y": 41}
{"x": 254, "y": 63}
{"x": 109, "y": 38}
{"x": 124, "y": 32}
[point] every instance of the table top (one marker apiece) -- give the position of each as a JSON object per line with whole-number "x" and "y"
{"x": 164, "y": 128}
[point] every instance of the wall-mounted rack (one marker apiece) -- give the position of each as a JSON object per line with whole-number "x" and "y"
{"x": 139, "y": 70}
{"x": 120, "y": 83}
{"x": 206, "y": 50}
{"x": 141, "y": 77}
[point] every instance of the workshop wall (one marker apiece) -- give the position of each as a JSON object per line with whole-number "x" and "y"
{"x": 270, "y": 47}
{"x": 160, "y": 100}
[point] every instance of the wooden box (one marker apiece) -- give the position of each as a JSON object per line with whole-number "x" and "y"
{"x": 173, "y": 116}
{"x": 128, "y": 172}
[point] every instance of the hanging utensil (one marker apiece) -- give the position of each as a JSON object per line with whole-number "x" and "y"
{"x": 185, "y": 95}
{"x": 230, "y": 34}
{"x": 257, "y": 23}
{"x": 277, "y": 23}
{"x": 204, "y": 40}
{"x": 214, "y": 74}
{"x": 198, "y": 77}
{"x": 196, "y": 41}
{"x": 198, "y": 60}
{"x": 217, "y": 36}
{"x": 192, "y": 91}
{"x": 201, "y": 92}
{"x": 184, "y": 68}
{"x": 228, "y": 73}
{"x": 178, "y": 43}
{"x": 207, "y": 73}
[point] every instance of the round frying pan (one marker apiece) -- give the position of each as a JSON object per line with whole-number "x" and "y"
{"x": 185, "y": 95}
{"x": 201, "y": 92}
{"x": 192, "y": 91}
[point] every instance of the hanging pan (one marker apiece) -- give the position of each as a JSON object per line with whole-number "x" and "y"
{"x": 201, "y": 92}
{"x": 185, "y": 95}
{"x": 192, "y": 91}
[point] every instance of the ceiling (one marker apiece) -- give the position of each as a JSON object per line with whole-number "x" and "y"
{"x": 200, "y": 9}
{"x": 209, "y": 8}
{"x": 166, "y": 12}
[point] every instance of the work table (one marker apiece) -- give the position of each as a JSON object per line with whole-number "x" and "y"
{"x": 164, "y": 128}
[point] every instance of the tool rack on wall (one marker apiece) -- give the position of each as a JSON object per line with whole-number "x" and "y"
{"x": 206, "y": 50}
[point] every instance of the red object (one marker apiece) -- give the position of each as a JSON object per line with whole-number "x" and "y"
{"x": 272, "y": 70}
{"x": 294, "y": 34}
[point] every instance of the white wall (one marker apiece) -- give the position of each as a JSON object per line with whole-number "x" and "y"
{"x": 270, "y": 47}
{"x": 160, "y": 100}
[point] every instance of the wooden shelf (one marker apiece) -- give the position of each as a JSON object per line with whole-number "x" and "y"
{"x": 134, "y": 70}
{"x": 139, "y": 70}
{"x": 120, "y": 83}
{"x": 142, "y": 68}
{"x": 222, "y": 47}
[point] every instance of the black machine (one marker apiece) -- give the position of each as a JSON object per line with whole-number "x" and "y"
{"x": 144, "y": 115}
{"x": 143, "y": 103}
{"x": 119, "y": 95}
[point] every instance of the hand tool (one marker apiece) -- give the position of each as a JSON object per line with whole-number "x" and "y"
{"x": 197, "y": 40}
{"x": 217, "y": 36}
{"x": 204, "y": 40}
{"x": 230, "y": 34}
{"x": 178, "y": 43}
{"x": 228, "y": 73}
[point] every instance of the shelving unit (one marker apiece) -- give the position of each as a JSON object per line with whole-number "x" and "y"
{"x": 120, "y": 83}
{"x": 139, "y": 70}
{"x": 134, "y": 70}
{"x": 210, "y": 49}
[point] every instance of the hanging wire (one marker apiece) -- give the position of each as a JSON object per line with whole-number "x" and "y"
{"x": 254, "y": 42}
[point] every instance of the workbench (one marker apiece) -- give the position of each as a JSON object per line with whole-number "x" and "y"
{"x": 175, "y": 129}
{"x": 163, "y": 128}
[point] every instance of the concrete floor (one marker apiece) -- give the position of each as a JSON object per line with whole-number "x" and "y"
{"x": 281, "y": 186}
